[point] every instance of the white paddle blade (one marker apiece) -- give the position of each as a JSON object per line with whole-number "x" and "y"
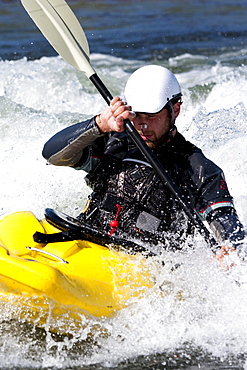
{"x": 61, "y": 28}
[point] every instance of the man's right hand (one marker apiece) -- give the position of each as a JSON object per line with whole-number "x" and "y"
{"x": 113, "y": 116}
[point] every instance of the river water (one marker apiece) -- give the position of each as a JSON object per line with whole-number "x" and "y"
{"x": 205, "y": 44}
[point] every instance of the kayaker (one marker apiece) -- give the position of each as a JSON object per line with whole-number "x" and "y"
{"x": 128, "y": 198}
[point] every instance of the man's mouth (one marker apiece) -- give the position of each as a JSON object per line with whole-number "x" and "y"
{"x": 145, "y": 136}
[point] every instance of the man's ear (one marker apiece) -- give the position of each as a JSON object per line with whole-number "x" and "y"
{"x": 176, "y": 108}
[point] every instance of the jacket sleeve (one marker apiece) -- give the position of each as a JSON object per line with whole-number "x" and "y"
{"x": 214, "y": 202}
{"x": 226, "y": 226}
{"x": 70, "y": 146}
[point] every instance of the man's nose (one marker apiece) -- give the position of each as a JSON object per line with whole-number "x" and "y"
{"x": 142, "y": 122}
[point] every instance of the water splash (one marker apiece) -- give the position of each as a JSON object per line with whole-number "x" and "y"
{"x": 203, "y": 316}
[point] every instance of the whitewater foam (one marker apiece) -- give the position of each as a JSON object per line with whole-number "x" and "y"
{"x": 206, "y": 307}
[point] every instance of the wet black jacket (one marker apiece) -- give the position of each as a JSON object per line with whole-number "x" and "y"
{"x": 128, "y": 192}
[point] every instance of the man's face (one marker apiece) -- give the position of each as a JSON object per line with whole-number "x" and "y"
{"x": 154, "y": 127}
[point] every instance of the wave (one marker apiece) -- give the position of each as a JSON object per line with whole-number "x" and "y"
{"x": 204, "y": 312}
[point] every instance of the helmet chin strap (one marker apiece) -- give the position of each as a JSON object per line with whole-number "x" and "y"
{"x": 172, "y": 123}
{"x": 168, "y": 134}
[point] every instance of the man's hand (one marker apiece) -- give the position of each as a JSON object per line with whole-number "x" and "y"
{"x": 222, "y": 255}
{"x": 113, "y": 116}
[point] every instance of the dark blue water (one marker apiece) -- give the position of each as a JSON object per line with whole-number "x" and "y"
{"x": 136, "y": 29}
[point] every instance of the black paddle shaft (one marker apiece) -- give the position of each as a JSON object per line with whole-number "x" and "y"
{"x": 156, "y": 165}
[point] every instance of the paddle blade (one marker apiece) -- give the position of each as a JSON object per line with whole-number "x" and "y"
{"x": 61, "y": 28}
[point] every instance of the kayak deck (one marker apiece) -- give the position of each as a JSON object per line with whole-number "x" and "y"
{"x": 75, "y": 276}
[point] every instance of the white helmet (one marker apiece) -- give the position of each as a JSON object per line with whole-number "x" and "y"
{"x": 150, "y": 88}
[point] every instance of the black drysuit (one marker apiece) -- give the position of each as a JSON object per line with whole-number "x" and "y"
{"x": 128, "y": 198}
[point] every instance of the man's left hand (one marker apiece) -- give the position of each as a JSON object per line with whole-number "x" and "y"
{"x": 222, "y": 255}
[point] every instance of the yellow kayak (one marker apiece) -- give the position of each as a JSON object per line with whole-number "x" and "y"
{"x": 72, "y": 277}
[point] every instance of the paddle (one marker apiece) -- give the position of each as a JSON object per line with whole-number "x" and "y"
{"x": 61, "y": 28}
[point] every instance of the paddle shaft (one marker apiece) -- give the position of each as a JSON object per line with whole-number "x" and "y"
{"x": 156, "y": 165}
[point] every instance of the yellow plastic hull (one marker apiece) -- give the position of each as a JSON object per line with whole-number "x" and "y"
{"x": 78, "y": 277}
